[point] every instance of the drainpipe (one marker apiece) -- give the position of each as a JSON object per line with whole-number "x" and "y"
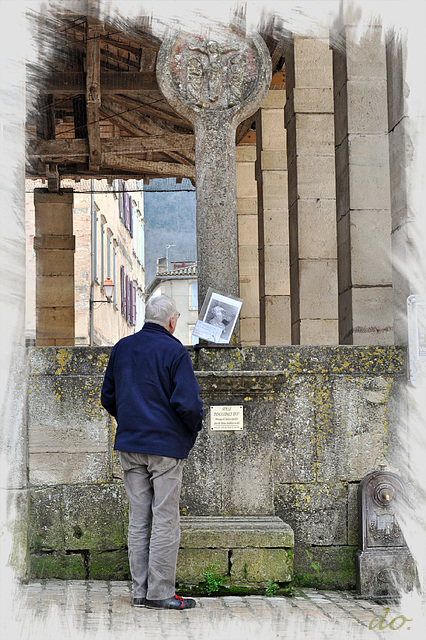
{"x": 92, "y": 259}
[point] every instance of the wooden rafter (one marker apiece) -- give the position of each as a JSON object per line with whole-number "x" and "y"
{"x": 244, "y": 128}
{"x": 46, "y": 121}
{"x": 137, "y": 125}
{"x": 148, "y": 109}
{"x": 59, "y": 150}
{"x": 134, "y": 165}
{"x": 148, "y": 59}
{"x": 278, "y": 52}
{"x": 128, "y": 112}
{"x": 126, "y": 120}
{"x": 101, "y": 110}
{"x": 74, "y": 82}
{"x": 93, "y": 93}
{"x": 110, "y": 38}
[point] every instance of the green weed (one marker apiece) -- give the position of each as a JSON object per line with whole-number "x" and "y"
{"x": 271, "y": 589}
{"x": 213, "y": 580}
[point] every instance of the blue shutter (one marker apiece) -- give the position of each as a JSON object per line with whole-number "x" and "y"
{"x": 126, "y": 206}
{"x": 128, "y": 306}
{"x": 133, "y": 303}
{"x": 121, "y": 199}
{"x": 130, "y": 215}
{"x": 123, "y": 292}
{"x": 114, "y": 259}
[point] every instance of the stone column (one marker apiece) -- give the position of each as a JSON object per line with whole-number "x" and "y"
{"x": 312, "y": 193}
{"x": 403, "y": 128}
{"x": 363, "y": 186}
{"x": 248, "y": 262}
{"x": 271, "y": 176}
{"x": 215, "y": 83}
{"x": 54, "y": 244}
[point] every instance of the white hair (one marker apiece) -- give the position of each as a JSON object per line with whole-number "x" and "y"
{"x": 159, "y": 309}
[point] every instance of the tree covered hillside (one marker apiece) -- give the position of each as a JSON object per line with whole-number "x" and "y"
{"x": 169, "y": 219}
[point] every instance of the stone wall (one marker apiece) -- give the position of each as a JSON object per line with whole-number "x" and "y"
{"x": 316, "y": 421}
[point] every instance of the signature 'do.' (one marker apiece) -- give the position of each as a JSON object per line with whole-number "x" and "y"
{"x": 381, "y": 623}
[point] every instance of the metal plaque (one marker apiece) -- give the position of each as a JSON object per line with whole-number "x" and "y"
{"x": 226, "y": 418}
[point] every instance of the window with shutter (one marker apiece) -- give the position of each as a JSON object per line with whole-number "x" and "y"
{"x": 130, "y": 227}
{"x": 133, "y": 304}
{"x": 142, "y": 243}
{"x": 121, "y": 199}
{"x": 128, "y": 306}
{"x": 102, "y": 253}
{"x": 123, "y": 291}
{"x": 114, "y": 261}
{"x": 126, "y": 206}
{"x": 138, "y": 311}
{"x": 108, "y": 258}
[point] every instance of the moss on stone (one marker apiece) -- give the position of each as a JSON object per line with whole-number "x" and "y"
{"x": 315, "y": 421}
{"x": 328, "y": 568}
{"x": 109, "y": 565}
{"x": 229, "y": 589}
{"x": 59, "y": 566}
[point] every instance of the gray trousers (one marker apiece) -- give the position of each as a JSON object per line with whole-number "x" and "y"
{"x": 153, "y": 486}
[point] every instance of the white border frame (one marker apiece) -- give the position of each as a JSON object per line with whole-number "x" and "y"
{"x": 416, "y": 318}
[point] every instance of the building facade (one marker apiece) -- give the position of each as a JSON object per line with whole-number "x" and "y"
{"x": 106, "y": 240}
{"x": 181, "y": 284}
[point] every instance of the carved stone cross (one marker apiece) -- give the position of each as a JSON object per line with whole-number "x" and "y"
{"x": 215, "y": 83}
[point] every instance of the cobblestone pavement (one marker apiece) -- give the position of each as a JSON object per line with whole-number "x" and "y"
{"x": 102, "y": 610}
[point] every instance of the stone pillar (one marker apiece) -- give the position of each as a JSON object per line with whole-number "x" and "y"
{"x": 402, "y": 130}
{"x": 248, "y": 263}
{"x": 215, "y": 83}
{"x": 54, "y": 244}
{"x": 363, "y": 187}
{"x": 274, "y": 259}
{"x": 309, "y": 121}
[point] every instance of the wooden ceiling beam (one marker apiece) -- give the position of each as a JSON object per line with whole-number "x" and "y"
{"x": 148, "y": 60}
{"x": 111, "y": 82}
{"x": 93, "y": 92}
{"x": 125, "y": 120}
{"x": 169, "y": 142}
{"x": 244, "y": 128}
{"x": 134, "y": 165}
{"x": 146, "y": 109}
{"x": 151, "y": 128}
{"x": 45, "y": 124}
{"x": 188, "y": 158}
{"x": 107, "y": 39}
{"x": 127, "y": 111}
{"x": 121, "y": 60}
{"x": 69, "y": 149}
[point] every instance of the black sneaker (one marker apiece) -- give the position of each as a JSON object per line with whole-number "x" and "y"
{"x": 177, "y": 602}
{"x": 139, "y": 602}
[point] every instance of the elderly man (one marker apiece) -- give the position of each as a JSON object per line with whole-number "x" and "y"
{"x": 151, "y": 390}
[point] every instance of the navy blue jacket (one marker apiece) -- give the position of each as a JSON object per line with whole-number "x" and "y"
{"x": 151, "y": 389}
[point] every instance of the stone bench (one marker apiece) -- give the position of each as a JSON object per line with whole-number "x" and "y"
{"x": 248, "y": 550}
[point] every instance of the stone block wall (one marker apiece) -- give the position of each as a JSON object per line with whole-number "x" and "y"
{"x": 363, "y": 188}
{"x": 316, "y": 421}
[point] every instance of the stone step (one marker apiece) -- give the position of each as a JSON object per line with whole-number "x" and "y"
{"x": 246, "y": 550}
